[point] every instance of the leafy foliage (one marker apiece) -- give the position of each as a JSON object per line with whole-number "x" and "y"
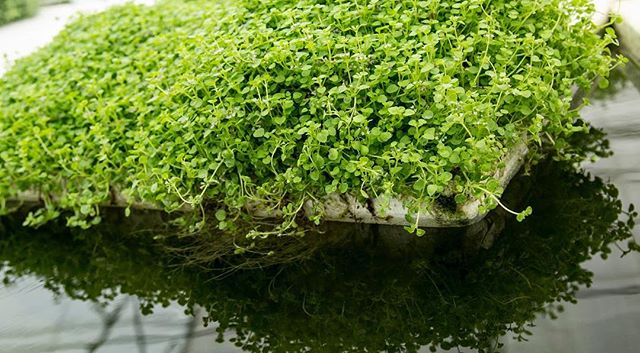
{"x": 276, "y": 103}
{"x": 11, "y": 10}
{"x": 361, "y": 292}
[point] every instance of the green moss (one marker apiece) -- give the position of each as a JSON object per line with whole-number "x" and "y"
{"x": 220, "y": 104}
{"x": 11, "y": 10}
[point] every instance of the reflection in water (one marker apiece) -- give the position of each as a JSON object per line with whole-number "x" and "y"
{"x": 355, "y": 288}
{"x": 607, "y": 315}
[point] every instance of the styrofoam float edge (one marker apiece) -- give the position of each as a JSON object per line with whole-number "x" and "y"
{"x": 390, "y": 211}
{"x": 346, "y": 208}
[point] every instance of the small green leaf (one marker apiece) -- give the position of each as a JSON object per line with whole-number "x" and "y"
{"x": 333, "y": 154}
{"x": 429, "y": 134}
{"x": 258, "y": 133}
{"x": 603, "y": 83}
{"x": 460, "y": 199}
{"x": 85, "y": 209}
{"x": 384, "y": 136}
{"x": 322, "y": 136}
{"x": 221, "y": 215}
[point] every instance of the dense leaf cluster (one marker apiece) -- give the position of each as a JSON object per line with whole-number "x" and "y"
{"x": 281, "y": 102}
{"x": 11, "y": 10}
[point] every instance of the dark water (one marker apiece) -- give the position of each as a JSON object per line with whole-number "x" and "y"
{"x": 536, "y": 286}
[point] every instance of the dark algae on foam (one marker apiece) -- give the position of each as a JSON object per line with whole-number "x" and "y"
{"x": 216, "y": 105}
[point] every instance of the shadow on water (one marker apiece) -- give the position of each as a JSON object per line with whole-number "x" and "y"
{"x": 352, "y": 288}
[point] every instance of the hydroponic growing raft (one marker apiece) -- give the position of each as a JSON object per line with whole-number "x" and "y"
{"x": 402, "y": 112}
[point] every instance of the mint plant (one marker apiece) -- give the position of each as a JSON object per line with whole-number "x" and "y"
{"x": 216, "y": 105}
